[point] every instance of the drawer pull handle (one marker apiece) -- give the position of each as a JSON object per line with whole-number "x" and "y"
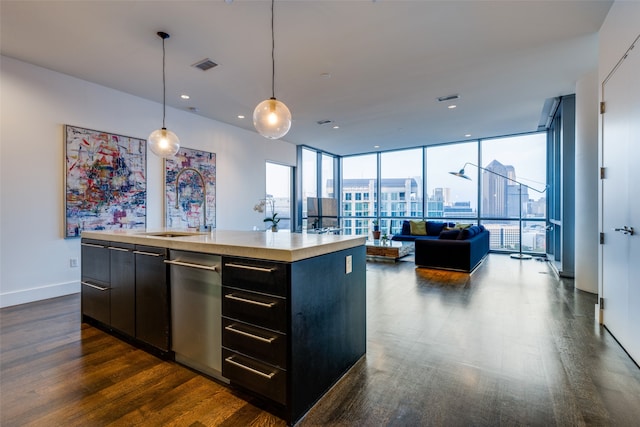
{"x": 113, "y": 248}
{"x": 250, "y": 301}
{"x": 247, "y": 368}
{"x": 93, "y": 245}
{"x": 100, "y": 288}
{"x": 146, "y": 253}
{"x": 250, "y": 267}
{"x": 247, "y": 334}
{"x": 188, "y": 264}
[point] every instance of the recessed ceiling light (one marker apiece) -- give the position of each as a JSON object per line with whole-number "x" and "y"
{"x": 240, "y": 116}
{"x": 336, "y": 127}
{"x": 467, "y": 135}
{"x": 376, "y": 146}
{"x": 325, "y": 75}
{"x": 452, "y": 106}
{"x": 184, "y": 96}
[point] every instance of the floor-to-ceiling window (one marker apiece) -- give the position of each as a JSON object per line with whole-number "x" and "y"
{"x": 309, "y": 180}
{"x": 513, "y": 188}
{"x": 401, "y": 182}
{"x": 449, "y": 196}
{"x": 504, "y": 189}
{"x": 359, "y": 193}
{"x": 317, "y": 202}
{"x": 279, "y": 192}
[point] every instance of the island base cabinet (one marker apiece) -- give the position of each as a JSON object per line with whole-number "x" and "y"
{"x": 296, "y": 328}
{"x": 152, "y": 297}
{"x": 95, "y": 282}
{"x": 123, "y": 313}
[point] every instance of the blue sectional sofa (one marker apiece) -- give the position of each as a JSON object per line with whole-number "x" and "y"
{"x": 442, "y": 245}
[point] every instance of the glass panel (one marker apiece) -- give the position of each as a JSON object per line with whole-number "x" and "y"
{"x": 503, "y": 235}
{"x": 359, "y": 183}
{"x": 522, "y": 159}
{"x": 278, "y": 186}
{"x": 450, "y": 196}
{"x": 401, "y": 183}
{"x": 309, "y": 180}
{"x": 328, "y": 182}
{"x": 513, "y": 187}
{"x": 534, "y": 236}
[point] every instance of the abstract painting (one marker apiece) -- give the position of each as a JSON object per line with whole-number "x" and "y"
{"x": 105, "y": 181}
{"x": 190, "y": 188}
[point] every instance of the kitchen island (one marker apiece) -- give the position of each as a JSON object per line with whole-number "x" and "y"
{"x": 281, "y": 315}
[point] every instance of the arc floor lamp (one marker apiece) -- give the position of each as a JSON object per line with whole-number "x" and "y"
{"x": 461, "y": 174}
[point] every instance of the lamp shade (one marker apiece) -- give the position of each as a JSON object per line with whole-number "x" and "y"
{"x": 163, "y": 143}
{"x": 272, "y": 119}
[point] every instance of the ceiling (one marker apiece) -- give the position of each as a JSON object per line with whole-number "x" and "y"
{"x": 373, "y": 68}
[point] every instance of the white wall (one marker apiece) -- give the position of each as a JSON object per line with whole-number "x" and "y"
{"x": 619, "y": 30}
{"x": 35, "y": 104}
{"x": 586, "y": 183}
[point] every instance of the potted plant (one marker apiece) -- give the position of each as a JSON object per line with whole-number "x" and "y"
{"x": 376, "y": 229}
{"x": 273, "y": 218}
{"x": 384, "y": 239}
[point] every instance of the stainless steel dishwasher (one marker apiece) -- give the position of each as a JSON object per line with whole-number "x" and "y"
{"x": 196, "y": 310}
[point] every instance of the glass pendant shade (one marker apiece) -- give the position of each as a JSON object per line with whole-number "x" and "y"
{"x": 164, "y": 143}
{"x": 272, "y": 119}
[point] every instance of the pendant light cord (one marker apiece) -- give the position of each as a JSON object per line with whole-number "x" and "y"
{"x": 164, "y": 85}
{"x": 273, "y": 57}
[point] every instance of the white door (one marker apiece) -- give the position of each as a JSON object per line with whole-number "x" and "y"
{"x": 621, "y": 203}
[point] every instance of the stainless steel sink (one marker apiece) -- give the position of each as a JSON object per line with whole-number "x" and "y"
{"x": 172, "y": 233}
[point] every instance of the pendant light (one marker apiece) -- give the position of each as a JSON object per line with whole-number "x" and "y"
{"x": 271, "y": 117}
{"x": 163, "y": 142}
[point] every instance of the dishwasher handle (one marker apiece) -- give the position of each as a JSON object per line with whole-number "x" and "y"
{"x": 191, "y": 265}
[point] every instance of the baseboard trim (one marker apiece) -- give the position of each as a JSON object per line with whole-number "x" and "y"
{"x": 24, "y": 296}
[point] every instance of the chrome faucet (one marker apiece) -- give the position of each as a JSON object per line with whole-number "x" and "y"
{"x": 204, "y": 194}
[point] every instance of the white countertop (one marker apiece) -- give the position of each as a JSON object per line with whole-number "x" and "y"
{"x": 280, "y": 246}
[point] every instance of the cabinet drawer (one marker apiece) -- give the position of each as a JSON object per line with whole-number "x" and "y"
{"x": 258, "y": 309}
{"x": 96, "y": 302}
{"x": 262, "y": 344}
{"x": 255, "y": 376}
{"x": 255, "y": 275}
{"x": 95, "y": 261}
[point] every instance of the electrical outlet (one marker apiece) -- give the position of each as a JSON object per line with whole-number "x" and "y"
{"x": 349, "y": 264}
{"x": 73, "y": 262}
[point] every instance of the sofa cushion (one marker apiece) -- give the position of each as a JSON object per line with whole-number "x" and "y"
{"x": 462, "y": 226}
{"x": 406, "y": 228}
{"x": 468, "y": 233}
{"x": 434, "y": 228}
{"x": 418, "y": 228}
{"x": 403, "y": 238}
{"x": 449, "y": 234}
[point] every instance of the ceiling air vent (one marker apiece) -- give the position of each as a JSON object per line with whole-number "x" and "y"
{"x": 324, "y": 122}
{"x": 205, "y": 64}
{"x": 448, "y": 98}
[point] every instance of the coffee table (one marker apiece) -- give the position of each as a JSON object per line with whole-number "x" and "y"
{"x": 391, "y": 251}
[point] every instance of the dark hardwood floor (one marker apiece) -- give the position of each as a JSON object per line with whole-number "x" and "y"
{"x": 508, "y": 345}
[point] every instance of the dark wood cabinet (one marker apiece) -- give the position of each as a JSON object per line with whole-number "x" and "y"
{"x": 95, "y": 280}
{"x": 123, "y": 288}
{"x": 291, "y": 330}
{"x": 152, "y": 297}
{"x": 254, "y": 338}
